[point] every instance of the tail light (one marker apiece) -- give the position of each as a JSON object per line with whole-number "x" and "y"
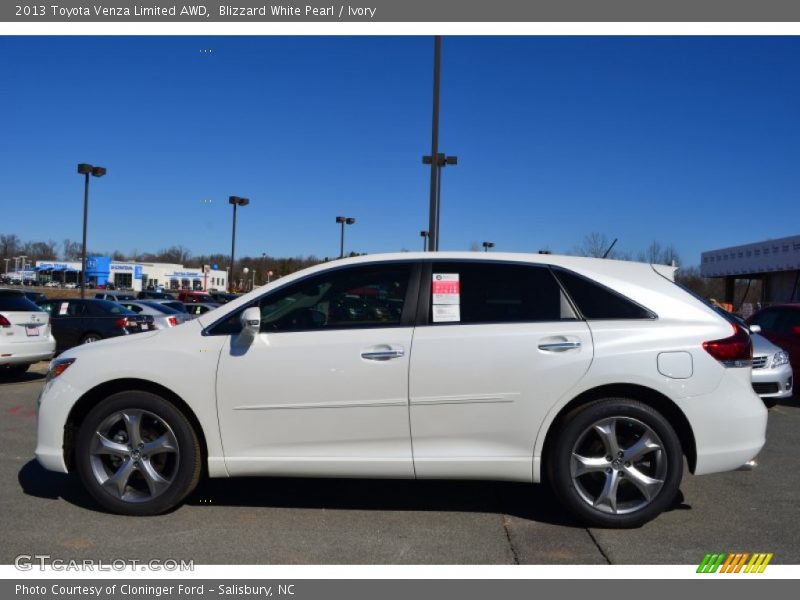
{"x": 4, "y": 322}
{"x": 121, "y": 323}
{"x": 172, "y": 321}
{"x": 734, "y": 351}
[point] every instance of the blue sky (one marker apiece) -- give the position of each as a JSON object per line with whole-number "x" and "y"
{"x": 689, "y": 141}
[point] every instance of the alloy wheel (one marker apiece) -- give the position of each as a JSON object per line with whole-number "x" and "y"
{"x": 618, "y": 465}
{"x": 134, "y": 455}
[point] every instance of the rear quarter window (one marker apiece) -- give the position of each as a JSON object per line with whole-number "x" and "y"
{"x": 596, "y": 301}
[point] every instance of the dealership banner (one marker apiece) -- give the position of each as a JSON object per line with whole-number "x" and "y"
{"x": 403, "y": 11}
{"x": 399, "y": 589}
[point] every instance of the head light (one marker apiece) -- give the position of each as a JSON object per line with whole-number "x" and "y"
{"x": 781, "y": 358}
{"x": 58, "y": 366}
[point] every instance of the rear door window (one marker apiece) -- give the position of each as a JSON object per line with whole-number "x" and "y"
{"x": 487, "y": 292}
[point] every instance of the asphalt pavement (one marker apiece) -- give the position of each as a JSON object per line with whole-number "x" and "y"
{"x": 297, "y": 521}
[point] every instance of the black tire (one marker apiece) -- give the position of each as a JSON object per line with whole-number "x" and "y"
{"x": 583, "y": 494}
{"x": 182, "y": 469}
{"x": 90, "y": 338}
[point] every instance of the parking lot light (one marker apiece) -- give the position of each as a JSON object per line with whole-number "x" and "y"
{"x": 424, "y": 234}
{"x": 86, "y": 170}
{"x": 235, "y": 201}
{"x": 487, "y": 245}
{"x": 344, "y": 221}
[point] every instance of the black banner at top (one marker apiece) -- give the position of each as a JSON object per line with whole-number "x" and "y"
{"x": 402, "y": 11}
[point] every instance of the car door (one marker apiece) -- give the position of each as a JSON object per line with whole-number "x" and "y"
{"x": 323, "y": 388}
{"x": 787, "y": 334}
{"x": 496, "y": 345}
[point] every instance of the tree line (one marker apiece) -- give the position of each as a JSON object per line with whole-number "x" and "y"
{"x": 595, "y": 244}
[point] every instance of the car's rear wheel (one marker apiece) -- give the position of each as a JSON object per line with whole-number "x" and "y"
{"x": 616, "y": 463}
{"x": 91, "y": 337}
{"x": 137, "y": 454}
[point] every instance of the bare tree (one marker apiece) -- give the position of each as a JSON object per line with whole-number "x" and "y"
{"x": 71, "y": 249}
{"x": 595, "y": 244}
{"x": 660, "y": 255}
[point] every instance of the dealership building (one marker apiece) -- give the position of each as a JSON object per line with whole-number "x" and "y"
{"x": 138, "y": 276}
{"x": 775, "y": 262}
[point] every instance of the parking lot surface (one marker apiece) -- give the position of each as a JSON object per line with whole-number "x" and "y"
{"x": 294, "y": 521}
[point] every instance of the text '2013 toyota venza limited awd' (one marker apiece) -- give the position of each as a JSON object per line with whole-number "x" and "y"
{"x": 596, "y": 376}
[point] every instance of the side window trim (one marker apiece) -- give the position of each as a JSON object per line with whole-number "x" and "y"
{"x": 409, "y": 306}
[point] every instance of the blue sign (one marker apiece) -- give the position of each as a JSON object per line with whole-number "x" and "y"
{"x": 215, "y": 266}
{"x": 137, "y": 272}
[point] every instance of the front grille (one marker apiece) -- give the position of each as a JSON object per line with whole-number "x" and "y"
{"x": 759, "y": 362}
{"x": 766, "y": 388}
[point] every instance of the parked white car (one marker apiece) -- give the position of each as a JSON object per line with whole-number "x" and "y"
{"x": 596, "y": 376}
{"x": 772, "y": 372}
{"x": 25, "y": 336}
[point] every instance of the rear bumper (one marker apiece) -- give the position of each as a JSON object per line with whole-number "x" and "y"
{"x": 28, "y": 352}
{"x": 729, "y": 424}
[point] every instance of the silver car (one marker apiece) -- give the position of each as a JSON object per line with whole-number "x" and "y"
{"x": 772, "y": 373}
{"x": 163, "y": 316}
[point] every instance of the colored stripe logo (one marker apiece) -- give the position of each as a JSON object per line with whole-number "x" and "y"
{"x": 737, "y": 562}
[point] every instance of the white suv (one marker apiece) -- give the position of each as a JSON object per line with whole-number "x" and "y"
{"x": 25, "y": 336}
{"x": 594, "y": 375}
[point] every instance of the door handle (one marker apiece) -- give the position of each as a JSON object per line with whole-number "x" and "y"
{"x": 385, "y": 353}
{"x": 560, "y": 346}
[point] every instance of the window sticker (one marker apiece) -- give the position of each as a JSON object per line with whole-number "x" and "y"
{"x": 62, "y": 310}
{"x": 446, "y": 288}
{"x": 446, "y": 291}
{"x": 446, "y": 313}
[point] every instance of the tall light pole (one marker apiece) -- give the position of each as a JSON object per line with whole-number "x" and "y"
{"x": 441, "y": 159}
{"x": 235, "y": 201}
{"x": 344, "y": 221}
{"x": 424, "y": 235}
{"x": 86, "y": 170}
{"x": 487, "y": 245}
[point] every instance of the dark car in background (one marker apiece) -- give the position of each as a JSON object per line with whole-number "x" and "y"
{"x": 152, "y": 295}
{"x": 35, "y": 297}
{"x": 780, "y": 324}
{"x": 223, "y": 297}
{"x": 74, "y": 321}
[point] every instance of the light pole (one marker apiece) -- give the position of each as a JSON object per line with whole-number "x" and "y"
{"x": 441, "y": 159}
{"x": 86, "y": 170}
{"x": 235, "y": 201}
{"x": 344, "y": 221}
{"x": 487, "y": 245}
{"x": 424, "y": 235}
{"x": 7, "y": 260}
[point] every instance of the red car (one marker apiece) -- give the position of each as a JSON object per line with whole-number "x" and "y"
{"x": 780, "y": 324}
{"x": 189, "y": 297}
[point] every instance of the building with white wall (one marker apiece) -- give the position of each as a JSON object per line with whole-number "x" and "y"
{"x": 138, "y": 276}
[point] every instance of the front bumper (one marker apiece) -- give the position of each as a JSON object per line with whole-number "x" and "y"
{"x": 773, "y": 383}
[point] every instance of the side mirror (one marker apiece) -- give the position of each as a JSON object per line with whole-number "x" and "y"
{"x": 251, "y": 320}
{"x": 754, "y": 328}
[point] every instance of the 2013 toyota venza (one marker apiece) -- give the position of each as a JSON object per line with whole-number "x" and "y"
{"x": 597, "y": 376}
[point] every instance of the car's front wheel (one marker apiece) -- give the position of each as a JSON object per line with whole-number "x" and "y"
{"x": 616, "y": 463}
{"x": 137, "y": 454}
